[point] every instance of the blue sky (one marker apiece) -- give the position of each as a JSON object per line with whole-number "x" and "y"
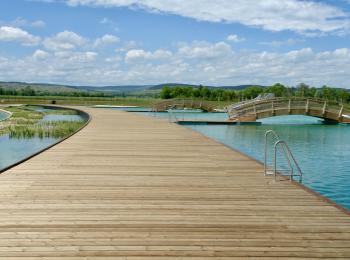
{"x": 222, "y": 42}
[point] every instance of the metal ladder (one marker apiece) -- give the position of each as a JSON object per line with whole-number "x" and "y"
{"x": 288, "y": 155}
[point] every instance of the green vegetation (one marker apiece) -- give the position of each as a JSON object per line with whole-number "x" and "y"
{"x": 54, "y": 129}
{"x": 29, "y": 91}
{"x": 86, "y": 101}
{"x": 213, "y": 94}
{"x": 26, "y": 122}
{"x": 52, "y": 111}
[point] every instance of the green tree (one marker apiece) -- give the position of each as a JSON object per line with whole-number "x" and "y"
{"x": 302, "y": 90}
{"x": 165, "y": 93}
{"x": 278, "y": 90}
{"x": 252, "y": 92}
{"x": 28, "y": 91}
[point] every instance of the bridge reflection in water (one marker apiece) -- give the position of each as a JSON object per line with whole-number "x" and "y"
{"x": 253, "y": 110}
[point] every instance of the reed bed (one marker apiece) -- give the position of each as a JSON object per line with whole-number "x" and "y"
{"x": 26, "y": 122}
{"x": 55, "y": 129}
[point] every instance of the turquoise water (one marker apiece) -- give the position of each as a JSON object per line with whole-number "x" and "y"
{"x": 129, "y": 109}
{"x": 189, "y": 115}
{"x": 322, "y": 151}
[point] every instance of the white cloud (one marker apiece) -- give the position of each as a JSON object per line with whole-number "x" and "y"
{"x": 235, "y": 38}
{"x": 113, "y": 25}
{"x": 65, "y": 40}
{"x": 128, "y": 45}
{"x": 8, "y": 34}
{"x": 138, "y": 55}
{"x": 288, "y": 42}
{"x": 21, "y": 22}
{"x": 106, "y": 40}
{"x": 205, "y": 50}
{"x": 38, "y": 24}
{"x": 77, "y": 58}
{"x": 40, "y": 55}
{"x": 195, "y": 62}
{"x": 275, "y": 15}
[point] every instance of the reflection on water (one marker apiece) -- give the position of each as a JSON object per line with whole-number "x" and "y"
{"x": 13, "y": 150}
{"x": 55, "y": 117}
{"x": 186, "y": 115}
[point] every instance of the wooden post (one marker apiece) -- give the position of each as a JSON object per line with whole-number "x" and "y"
{"x": 324, "y": 108}
{"x": 307, "y": 106}
{"x": 340, "y": 113}
{"x": 273, "y": 108}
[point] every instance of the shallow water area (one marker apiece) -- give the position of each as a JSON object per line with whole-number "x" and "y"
{"x": 15, "y": 149}
{"x": 55, "y": 117}
{"x": 3, "y": 115}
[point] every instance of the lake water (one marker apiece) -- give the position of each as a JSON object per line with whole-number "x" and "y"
{"x": 188, "y": 115}
{"x": 322, "y": 151}
{"x": 55, "y": 117}
{"x": 13, "y": 150}
{"x": 2, "y": 115}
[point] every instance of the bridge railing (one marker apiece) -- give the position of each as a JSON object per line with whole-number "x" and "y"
{"x": 322, "y": 107}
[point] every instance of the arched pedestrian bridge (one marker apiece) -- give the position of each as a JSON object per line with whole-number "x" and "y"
{"x": 258, "y": 109}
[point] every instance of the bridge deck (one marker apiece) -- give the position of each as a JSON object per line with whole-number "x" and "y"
{"x": 137, "y": 187}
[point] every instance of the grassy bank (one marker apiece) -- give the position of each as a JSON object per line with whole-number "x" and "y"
{"x": 26, "y": 122}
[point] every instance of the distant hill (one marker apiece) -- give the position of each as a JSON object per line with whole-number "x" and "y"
{"x": 39, "y": 86}
{"x": 172, "y": 85}
{"x": 240, "y": 87}
{"x": 118, "y": 89}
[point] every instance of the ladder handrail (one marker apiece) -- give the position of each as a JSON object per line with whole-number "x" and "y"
{"x": 267, "y": 133}
{"x": 287, "y": 152}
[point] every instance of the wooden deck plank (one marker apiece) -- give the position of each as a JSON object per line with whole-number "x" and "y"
{"x": 133, "y": 187}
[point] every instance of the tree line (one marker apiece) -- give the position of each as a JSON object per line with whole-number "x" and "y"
{"x": 29, "y": 91}
{"x": 279, "y": 90}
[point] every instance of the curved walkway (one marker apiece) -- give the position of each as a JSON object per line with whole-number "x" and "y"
{"x": 134, "y": 187}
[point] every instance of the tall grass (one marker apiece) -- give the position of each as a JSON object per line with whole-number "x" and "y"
{"x": 26, "y": 122}
{"x": 56, "y": 129}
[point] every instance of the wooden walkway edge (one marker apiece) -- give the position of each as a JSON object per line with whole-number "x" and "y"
{"x": 134, "y": 187}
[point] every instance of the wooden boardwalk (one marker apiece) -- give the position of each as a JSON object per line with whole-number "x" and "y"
{"x": 133, "y": 187}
